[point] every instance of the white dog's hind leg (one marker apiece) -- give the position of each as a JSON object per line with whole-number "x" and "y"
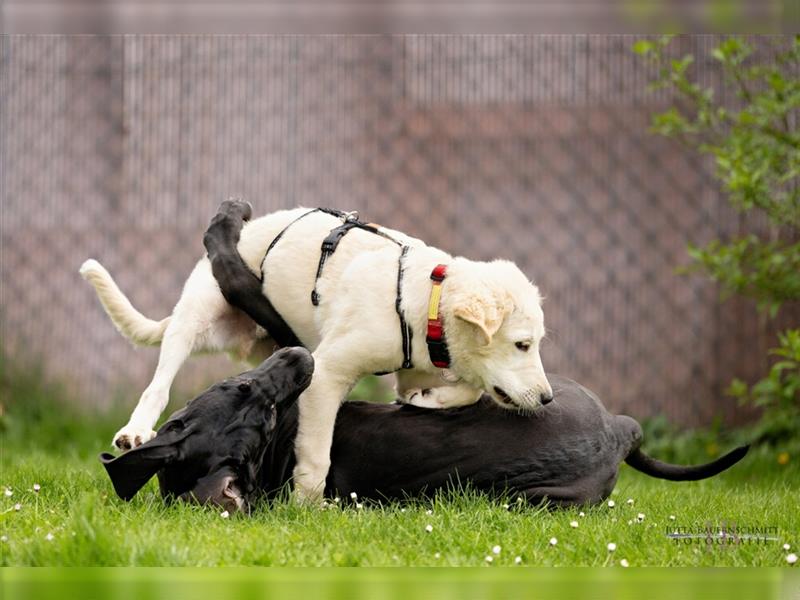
{"x": 446, "y": 396}
{"x": 198, "y": 323}
{"x": 177, "y": 345}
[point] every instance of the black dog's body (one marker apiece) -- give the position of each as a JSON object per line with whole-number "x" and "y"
{"x": 569, "y": 453}
{"x": 219, "y": 449}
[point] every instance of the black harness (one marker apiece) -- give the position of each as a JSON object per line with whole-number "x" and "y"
{"x": 329, "y": 245}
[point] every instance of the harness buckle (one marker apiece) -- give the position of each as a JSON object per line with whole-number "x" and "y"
{"x": 351, "y": 217}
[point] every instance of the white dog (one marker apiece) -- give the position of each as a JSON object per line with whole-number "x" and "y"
{"x": 490, "y": 312}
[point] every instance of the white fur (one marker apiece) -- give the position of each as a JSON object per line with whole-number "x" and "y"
{"x": 486, "y": 306}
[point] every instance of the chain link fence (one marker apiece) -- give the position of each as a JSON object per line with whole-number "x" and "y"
{"x": 531, "y": 148}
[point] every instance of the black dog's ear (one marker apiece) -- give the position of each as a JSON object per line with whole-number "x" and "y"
{"x": 130, "y": 471}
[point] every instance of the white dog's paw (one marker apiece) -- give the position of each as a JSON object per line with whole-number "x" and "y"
{"x": 448, "y": 396}
{"x": 130, "y": 437}
{"x": 424, "y": 397}
{"x": 309, "y": 485}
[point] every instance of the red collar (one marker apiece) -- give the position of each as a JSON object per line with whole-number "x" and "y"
{"x": 437, "y": 344}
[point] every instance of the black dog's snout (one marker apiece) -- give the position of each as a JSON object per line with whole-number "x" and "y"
{"x": 294, "y": 355}
{"x": 545, "y": 398}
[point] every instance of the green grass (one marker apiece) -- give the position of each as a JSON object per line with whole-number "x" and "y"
{"x": 88, "y": 525}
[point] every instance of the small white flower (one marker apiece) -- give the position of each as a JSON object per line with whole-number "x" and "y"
{"x": 581, "y": 514}
{"x": 640, "y": 517}
{"x": 553, "y": 541}
{"x": 573, "y": 524}
{"x": 630, "y": 522}
{"x": 359, "y": 506}
{"x": 337, "y": 499}
{"x": 36, "y": 487}
{"x": 354, "y": 496}
{"x": 488, "y": 559}
{"x": 437, "y": 555}
{"x": 786, "y": 546}
{"x": 3, "y": 538}
{"x": 49, "y": 537}
{"x": 517, "y": 560}
{"x": 402, "y": 510}
{"x": 428, "y": 528}
{"x": 428, "y": 512}
{"x": 791, "y": 558}
{"x": 611, "y": 546}
{"x": 496, "y": 550}
{"x": 520, "y": 500}
{"x": 672, "y": 517}
{"x": 224, "y": 514}
{"x": 506, "y": 506}
{"x": 629, "y": 501}
{"x": 18, "y": 506}
{"x": 623, "y": 563}
{"x": 8, "y": 493}
{"x": 611, "y": 504}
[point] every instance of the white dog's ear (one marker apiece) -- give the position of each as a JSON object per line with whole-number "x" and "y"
{"x": 485, "y": 312}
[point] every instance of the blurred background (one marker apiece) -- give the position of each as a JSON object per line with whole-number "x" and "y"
{"x": 532, "y": 148}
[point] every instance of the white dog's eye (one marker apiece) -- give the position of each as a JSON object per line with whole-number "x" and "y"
{"x": 524, "y": 346}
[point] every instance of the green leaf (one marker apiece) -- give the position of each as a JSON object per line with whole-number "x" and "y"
{"x": 643, "y": 47}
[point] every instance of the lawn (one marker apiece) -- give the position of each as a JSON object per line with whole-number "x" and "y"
{"x": 74, "y": 518}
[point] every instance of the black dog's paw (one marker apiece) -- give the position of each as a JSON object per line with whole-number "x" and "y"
{"x": 236, "y": 208}
{"x": 226, "y": 225}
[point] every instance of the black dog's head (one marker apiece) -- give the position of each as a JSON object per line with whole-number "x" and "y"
{"x": 211, "y": 450}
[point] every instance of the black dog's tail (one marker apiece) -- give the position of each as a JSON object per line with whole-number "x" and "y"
{"x": 655, "y": 468}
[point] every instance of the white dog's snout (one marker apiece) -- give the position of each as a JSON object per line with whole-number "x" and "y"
{"x": 530, "y": 397}
{"x": 537, "y": 396}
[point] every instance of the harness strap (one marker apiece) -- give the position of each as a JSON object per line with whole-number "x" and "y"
{"x": 330, "y": 211}
{"x": 331, "y": 242}
{"x": 405, "y": 329}
{"x": 329, "y": 245}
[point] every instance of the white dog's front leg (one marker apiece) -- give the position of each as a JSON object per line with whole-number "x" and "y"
{"x": 318, "y": 407}
{"x": 445, "y": 396}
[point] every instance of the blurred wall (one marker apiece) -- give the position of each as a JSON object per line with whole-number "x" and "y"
{"x": 533, "y": 149}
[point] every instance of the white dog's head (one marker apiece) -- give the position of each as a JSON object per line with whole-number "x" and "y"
{"x": 494, "y": 324}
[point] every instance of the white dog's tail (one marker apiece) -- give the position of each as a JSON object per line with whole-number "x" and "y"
{"x": 128, "y": 321}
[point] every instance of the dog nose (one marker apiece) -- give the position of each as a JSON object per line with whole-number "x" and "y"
{"x": 293, "y": 355}
{"x": 545, "y": 398}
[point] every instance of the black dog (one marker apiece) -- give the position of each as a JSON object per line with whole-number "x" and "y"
{"x": 569, "y": 453}
{"x": 212, "y": 449}
{"x": 227, "y": 446}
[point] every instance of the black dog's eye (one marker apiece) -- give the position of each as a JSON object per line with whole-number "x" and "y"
{"x": 524, "y": 346}
{"x": 244, "y": 386}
